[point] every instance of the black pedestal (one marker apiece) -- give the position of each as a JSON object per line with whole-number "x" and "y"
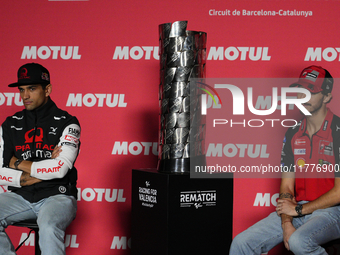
{"x": 174, "y": 215}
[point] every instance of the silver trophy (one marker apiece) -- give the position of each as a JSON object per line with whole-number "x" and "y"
{"x": 182, "y": 59}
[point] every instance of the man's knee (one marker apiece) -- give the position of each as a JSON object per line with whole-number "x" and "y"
{"x": 239, "y": 243}
{"x": 49, "y": 231}
{"x": 298, "y": 243}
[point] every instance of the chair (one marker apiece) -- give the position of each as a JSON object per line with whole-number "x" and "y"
{"x": 31, "y": 224}
{"x": 332, "y": 247}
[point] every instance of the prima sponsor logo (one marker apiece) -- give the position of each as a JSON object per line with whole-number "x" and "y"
{"x": 135, "y": 148}
{"x": 322, "y": 54}
{"x": 98, "y": 100}
{"x": 198, "y": 198}
{"x": 266, "y": 199}
{"x": 231, "y": 150}
{"x": 50, "y": 52}
{"x": 100, "y": 194}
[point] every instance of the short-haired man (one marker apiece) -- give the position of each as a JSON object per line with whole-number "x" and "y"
{"x": 308, "y": 212}
{"x": 38, "y": 148}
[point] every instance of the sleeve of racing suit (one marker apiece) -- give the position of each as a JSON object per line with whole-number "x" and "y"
{"x": 8, "y": 176}
{"x": 57, "y": 168}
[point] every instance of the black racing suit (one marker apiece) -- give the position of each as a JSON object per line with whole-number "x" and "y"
{"x": 32, "y": 135}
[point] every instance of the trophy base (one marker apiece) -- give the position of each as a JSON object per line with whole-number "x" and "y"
{"x": 179, "y": 166}
{"x": 173, "y": 221}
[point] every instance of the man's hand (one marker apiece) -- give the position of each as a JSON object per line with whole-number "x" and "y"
{"x": 288, "y": 230}
{"x": 285, "y": 206}
{"x": 27, "y": 180}
{"x": 56, "y": 151}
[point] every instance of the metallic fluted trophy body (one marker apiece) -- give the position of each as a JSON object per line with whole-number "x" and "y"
{"x": 182, "y": 58}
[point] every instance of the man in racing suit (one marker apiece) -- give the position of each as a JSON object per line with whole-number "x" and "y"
{"x": 38, "y": 148}
{"x": 308, "y": 212}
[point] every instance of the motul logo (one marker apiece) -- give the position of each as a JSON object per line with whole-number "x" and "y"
{"x": 266, "y": 199}
{"x": 10, "y": 98}
{"x": 101, "y": 194}
{"x": 70, "y": 240}
{"x": 135, "y": 148}
{"x": 120, "y": 243}
{"x": 215, "y": 53}
{"x": 97, "y": 99}
{"x": 318, "y": 54}
{"x": 136, "y": 52}
{"x": 51, "y": 52}
{"x": 239, "y": 53}
{"x": 231, "y": 150}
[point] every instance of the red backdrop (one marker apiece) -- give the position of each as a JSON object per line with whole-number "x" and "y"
{"x": 103, "y": 60}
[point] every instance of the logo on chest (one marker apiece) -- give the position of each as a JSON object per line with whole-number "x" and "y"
{"x": 300, "y": 146}
{"x": 37, "y": 135}
{"x": 299, "y": 151}
{"x": 326, "y": 148}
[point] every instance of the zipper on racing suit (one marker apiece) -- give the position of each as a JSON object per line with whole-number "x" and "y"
{"x": 34, "y": 135}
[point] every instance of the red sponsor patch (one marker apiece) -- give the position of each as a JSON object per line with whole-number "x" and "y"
{"x": 71, "y": 138}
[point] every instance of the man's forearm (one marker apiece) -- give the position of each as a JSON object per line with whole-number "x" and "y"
{"x": 286, "y": 195}
{"x": 284, "y": 217}
{"x": 27, "y": 180}
{"x": 24, "y": 166}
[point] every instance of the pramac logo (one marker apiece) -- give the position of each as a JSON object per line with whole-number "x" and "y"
{"x": 23, "y": 74}
{"x": 3, "y": 189}
{"x": 30, "y": 135}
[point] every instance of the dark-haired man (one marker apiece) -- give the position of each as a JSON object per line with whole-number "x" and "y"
{"x": 308, "y": 212}
{"x": 38, "y": 148}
